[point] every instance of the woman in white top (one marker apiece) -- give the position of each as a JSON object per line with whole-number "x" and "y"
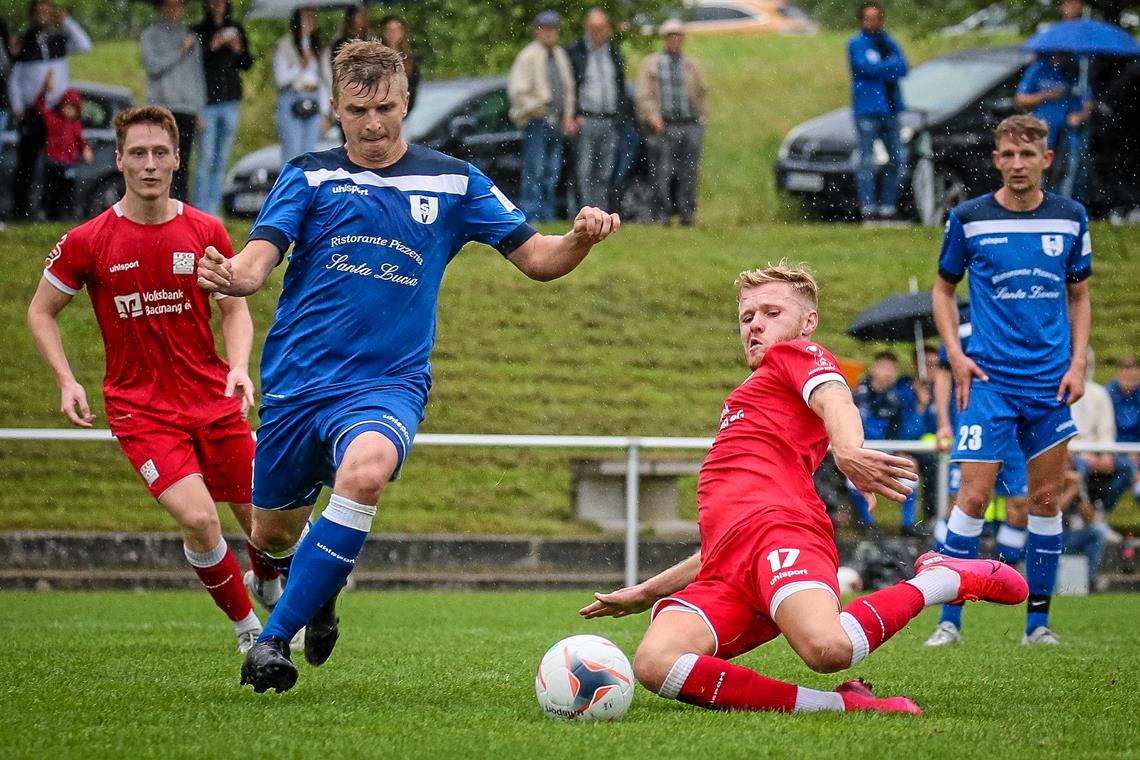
{"x": 302, "y": 99}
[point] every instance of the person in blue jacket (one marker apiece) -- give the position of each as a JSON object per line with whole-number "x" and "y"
{"x": 877, "y": 66}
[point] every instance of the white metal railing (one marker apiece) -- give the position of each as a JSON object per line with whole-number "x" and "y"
{"x": 633, "y": 446}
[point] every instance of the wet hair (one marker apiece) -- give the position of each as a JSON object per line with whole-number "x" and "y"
{"x": 1021, "y": 128}
{"x": 797, "y": 275}
{"x": 367, "y": 63}
{"x": 157, "y": 115}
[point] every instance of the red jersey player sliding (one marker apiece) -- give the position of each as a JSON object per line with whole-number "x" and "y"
{"x": 767, "y": 563}
{"x": 176, "y": 408}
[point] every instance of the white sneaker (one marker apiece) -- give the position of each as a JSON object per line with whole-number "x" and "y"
{"x": 1041, "y": 635}
{"x": 946, "y": 633}
{"x": 246, "y": 640}
{"x": 267, "y": 593}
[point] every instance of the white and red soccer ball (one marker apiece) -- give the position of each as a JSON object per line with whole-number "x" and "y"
{"x": 584, "y": 677}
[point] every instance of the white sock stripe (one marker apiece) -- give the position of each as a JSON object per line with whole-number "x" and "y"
{"x": 964, "y": 525}
{"x": 937, "y": 584}
{"x": 811, "y": 700}
{"x": 206, "y": 559}
{"x": 860, "y": 646}
{"x": 1045, "y": 526}
{"x": 678, "y": 674}
{"x": 1014, "y": 537}
{"x": 348, "y": 513}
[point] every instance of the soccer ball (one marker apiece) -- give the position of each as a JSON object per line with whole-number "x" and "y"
{"x": 849, "y": 580}
{"x": 584, "y": 677}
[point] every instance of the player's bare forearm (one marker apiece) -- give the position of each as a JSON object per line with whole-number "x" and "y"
{"x": 548, "y": 257}
{"x": 237, "y": 332}
{"x": 633, "y": 599}
{"x": 1080, "y": 325}
{"x": 46, "y": 305}
{"x": 832, "y": 402}
{"x": 945, "y": 307}
{"x": 241, "y": 275}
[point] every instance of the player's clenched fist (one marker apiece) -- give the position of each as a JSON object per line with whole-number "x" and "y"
{"x": 593, "y": 225}
{"x": 215, "y": 273}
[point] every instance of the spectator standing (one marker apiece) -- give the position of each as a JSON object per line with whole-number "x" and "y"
{"x": 302, "y": 98}
{"x": 599, "y": 80}
{"x": 394, "y": 34}
{"x": 1124, "y": 390}
{"x": 51, "y": 36}
{"x": 541, "y": 90}
{"x": 353, "y": 27}
{"x": 225, "y": 55}
{"x": 672, "y": 101}
{"x": 175, "y": 79}
{"x": 1104, "y": 476}
{"x": 1053, "y": 90}
{"x": 877, "y": 64}
{"x": 64, "y": 148}
{"x": 5, "y": 67}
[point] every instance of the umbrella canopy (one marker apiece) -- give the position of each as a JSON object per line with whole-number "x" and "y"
{"x": 895, "y": 318}
{"x": 1083, "y": 37}
{"x": 262, "y": 9}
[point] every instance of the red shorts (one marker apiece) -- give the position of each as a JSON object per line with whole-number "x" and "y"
{"x": 221, "y": 452}
{"x": 747, "y": 574}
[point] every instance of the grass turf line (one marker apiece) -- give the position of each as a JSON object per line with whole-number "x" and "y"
{"x": 437, "y": 674}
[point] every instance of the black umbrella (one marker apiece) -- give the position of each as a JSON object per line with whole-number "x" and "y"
{"x": 905, "y": 316}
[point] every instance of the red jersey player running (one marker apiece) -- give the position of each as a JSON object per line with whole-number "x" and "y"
{"x": 768, "y": 562}
{"x": 176, "y": 408}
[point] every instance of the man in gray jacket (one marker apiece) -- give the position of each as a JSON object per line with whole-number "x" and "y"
{"x": 175, "y": 78}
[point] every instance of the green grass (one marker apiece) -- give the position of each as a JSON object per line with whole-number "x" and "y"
{"x": 639, "y": 341}
{"x": 441, "y": 675}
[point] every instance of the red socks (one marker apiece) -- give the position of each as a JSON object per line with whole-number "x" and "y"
{"x": 219, "y": 572}
{"x": 259, "y": 564}
{"x": 719, "y": 685}
{"x": 872, "y": 619}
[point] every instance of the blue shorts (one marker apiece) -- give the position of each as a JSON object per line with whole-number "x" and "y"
{"x": 300, "y": 446}
{"x": 1002, "y": 427}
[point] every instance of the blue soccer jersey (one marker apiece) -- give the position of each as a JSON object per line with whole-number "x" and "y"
{"x": 1019, "y": 264}
{"x": 358, "y": 303}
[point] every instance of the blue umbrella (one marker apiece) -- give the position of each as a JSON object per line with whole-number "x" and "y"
{"x": 1084, "y": 37}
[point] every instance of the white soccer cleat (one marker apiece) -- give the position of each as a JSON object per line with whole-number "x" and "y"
{"x": 1040, "y": 635}
{"x": 945, "y": 634}
{"x": 261, "y": 591}
{"x": 297, "y": 643}
{"x": 246, "y": 640}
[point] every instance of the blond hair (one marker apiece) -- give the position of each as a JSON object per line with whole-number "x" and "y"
{"x": 1022, "y": 128}
{"x": 367, "y": 63}
{"x": 798, "y": 276}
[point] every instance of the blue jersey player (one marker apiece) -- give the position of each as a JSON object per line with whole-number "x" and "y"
{"x": 345, "y": 372}
{"x": 1028, "y": 257}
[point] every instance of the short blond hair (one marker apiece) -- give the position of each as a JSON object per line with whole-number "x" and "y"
{"x": 797, "y": 275}
{"x": 367, "y": 63}
{"x": 1022, "y": 128}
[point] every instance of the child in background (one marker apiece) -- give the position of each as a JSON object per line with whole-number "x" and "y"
{"x": 64, "y": 147}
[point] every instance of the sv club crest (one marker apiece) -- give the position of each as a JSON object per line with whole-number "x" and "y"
{"x": 1053, "y": 245}
{"x": 425, "y": 208}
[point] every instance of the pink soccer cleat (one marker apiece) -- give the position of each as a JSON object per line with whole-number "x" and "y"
{"x": 857, "y": 695}
{"x": 985, "y": 580}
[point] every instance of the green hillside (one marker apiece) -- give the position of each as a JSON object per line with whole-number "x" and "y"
{"x": 641, "y": 340}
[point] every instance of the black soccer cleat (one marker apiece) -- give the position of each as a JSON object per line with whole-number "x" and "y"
{"x": 267, "y": 666}
{"x": 321, "y": 633}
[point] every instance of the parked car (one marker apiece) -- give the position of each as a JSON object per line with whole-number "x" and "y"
{"x": 466, "y": 118}
{"x": 746, "y": 17}
{"x": 98, "y": 184}
{"x": 954, "y": 102}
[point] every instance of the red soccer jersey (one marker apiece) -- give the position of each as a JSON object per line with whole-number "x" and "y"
{"x": 162, "y": 364}
{"x": 770, "y": 442}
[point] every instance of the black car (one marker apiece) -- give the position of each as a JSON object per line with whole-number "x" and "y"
{"x": 98, "y": 184}
{"x": 465, "y": 118}
{"x": 954, "y": 102}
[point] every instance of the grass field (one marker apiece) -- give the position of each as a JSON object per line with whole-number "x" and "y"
{"x": 442, "y": 675}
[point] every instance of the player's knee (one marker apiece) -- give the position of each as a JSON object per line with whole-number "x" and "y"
{"x": 200, "y": 526}
{"x": 273, "y": 538}
{"x": 826, "y": 652}
{"x": 651, "y": 665}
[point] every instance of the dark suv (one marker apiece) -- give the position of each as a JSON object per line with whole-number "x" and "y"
{"x": 954, "y": 102}
{"x": 98, "y": 184}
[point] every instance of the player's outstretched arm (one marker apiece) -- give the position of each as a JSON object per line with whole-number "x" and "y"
{"x": 46, "y": 305}
{"x": 633, "y": 599}
{"x": 1080, "y": 323}
{"x": 548, "y": 257}
{"x": 872, "y": 472}
{"x": 237, "y": 335}
{"x": 242, "y": 275}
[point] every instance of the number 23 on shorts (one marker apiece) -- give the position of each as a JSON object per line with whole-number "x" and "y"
{"x": 969, "y": 438}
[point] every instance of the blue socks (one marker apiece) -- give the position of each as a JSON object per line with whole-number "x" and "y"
{"x": 1042, "y": 557}
{"x": 321, "y": 565}
{"x": 1010, "y": 544}
{"x": 963, "y": 535}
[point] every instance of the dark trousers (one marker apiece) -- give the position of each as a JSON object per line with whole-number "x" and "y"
{"x": 675, "y": 165}
{"x": 33, "y": 133}
{"x": 59, "y": 190}
{"x": 187, "y": 130}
